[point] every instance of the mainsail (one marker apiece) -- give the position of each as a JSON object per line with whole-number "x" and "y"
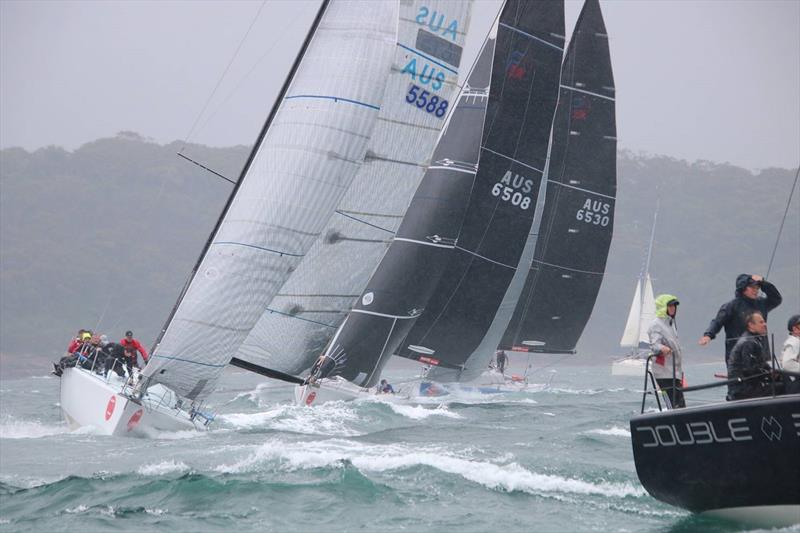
{"x": 641, "y": 315}
{"x": 300, "y": 321}
{"x": 577, "y": 222}
{"x": 522, "y": 100}
{"x": 311, "y": 148}
{"x": 419, "y": 252}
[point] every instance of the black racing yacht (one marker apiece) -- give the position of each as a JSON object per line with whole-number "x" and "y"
{"x": 737, "y": 460}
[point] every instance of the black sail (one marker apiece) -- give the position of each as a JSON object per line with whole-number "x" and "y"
{"x": 578, "y": 219}
{"x": 522, "y": 101}
{"x": 415, "y": 260}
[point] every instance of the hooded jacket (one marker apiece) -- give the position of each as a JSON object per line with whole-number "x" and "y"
{"x": 663, "y": 332}
{"x": 732, "y": 315}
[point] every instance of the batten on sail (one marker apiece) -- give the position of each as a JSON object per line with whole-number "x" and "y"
{"x": 305, "y": 162}
{"x": 302, "y": 318}
{"x": 522, "y": 101}
{"x": 572, "y": 241}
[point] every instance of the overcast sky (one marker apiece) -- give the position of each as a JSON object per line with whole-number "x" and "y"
{"x": 717, "y": 80}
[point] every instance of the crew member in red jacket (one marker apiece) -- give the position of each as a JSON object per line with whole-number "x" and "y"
{"x": 132, "y": 347}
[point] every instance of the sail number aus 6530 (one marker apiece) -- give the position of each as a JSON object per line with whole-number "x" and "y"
{"x": 594, "y": 212}
{"x": 425, "y": 100}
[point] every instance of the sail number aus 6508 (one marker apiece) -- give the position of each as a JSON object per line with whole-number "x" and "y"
{"x": 425, "y": 100}
{"x": 594, "y": 212}
{"x": 508, "y": 194}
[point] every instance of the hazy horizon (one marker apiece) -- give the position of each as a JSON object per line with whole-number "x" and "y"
{"x": 705, "y": 80}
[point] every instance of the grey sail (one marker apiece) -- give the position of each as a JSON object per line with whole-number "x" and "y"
{"x": 522, "y": 101}
{"x": 569, "y": 261}
{"x": 414, "y": 263}
{"x": 312, "y": 147}
{"x": 299, "y": 322}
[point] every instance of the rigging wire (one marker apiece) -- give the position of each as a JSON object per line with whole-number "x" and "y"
{"x": 219, "y": 81}
{"x": 783, "y": 220}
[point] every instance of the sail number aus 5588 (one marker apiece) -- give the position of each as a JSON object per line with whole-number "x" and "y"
{"x": 425, "y": 100}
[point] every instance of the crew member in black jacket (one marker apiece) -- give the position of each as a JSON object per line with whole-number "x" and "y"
{"x": 733, "y": 315}
{"x": 750, "y": 357}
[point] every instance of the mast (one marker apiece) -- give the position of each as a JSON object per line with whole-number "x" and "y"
{"x": 287, "y": 82}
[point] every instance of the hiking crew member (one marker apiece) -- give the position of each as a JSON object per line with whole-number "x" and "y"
{"x": 501, "y": 358}
{"x": 732, "y": 315}
{"x": 790, "y": 355}
{"x": 322, "y": 367}
{"x": 750, "y": 357}
{"x": 131, "y": 346}
{"x": 385, "y": 387}
{"x": 663, "y": 334}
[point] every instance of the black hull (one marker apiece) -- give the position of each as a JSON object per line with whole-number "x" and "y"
{"x": 724, "y": 456}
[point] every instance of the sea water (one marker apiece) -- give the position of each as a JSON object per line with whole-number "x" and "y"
{"x": 557, "y": 459}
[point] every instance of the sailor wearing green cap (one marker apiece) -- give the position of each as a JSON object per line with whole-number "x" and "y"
{"x": 663, "y": 335}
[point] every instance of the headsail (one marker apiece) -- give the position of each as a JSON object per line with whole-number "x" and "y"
{"x": 296, "y": 175}
{"x": 311, "y": 305}
{"x": 522, "y": 100}
{"x": 578, "y": 219}
{"x": 419, "y": 252}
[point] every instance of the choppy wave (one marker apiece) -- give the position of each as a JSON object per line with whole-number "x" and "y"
{"x": 163, "y": 467}
{"x": 614, "y": 431}
{"x": 12, "y": 428}
{"x": 330, "y": 418}
{"x": 509, "y": 477}
{"x": 418, "y": 412}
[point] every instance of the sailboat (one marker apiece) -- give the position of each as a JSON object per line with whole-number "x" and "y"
{"x": 484, "y": 181}
{"x": 312, "y": 145}
{"x": 544, "y": 305}
{"x": 641, "y": 315}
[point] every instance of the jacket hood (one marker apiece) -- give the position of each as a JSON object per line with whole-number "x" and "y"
{"x": 742, "y": 281}
{"x": 661, "y": 304}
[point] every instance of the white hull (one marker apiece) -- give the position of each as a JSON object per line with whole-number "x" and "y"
{"x": 490, "y": 382}
{"x": 628, "y": 366}
{"x": 88, "y": 399}
{"x": 766, "y": 516}
{"x": 329, "y": 390}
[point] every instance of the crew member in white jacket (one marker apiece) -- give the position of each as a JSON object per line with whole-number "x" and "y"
{"x": 664, "y": 341}
{"x": 790, "y": 358}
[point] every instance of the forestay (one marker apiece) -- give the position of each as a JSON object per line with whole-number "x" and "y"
{"x": 578, "y": 219}
{"x": 295, "y": 179}
{"x": 522, "y": 100}
{"x": 302, "y": 318}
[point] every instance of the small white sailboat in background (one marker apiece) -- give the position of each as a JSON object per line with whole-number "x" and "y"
{"x": 641, "y": 315}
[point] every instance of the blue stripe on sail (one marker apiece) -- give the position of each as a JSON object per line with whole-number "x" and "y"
{"x": 300, "y": 318}
{"x": 364, "y": 222}
{"x": 258, "y": 248}
{"x": 404, "y": 47}
{"x": 187, "y": 361}
{"x": 334, "y": 98}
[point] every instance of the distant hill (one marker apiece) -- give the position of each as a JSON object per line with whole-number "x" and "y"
{"x": 104, "y": 237}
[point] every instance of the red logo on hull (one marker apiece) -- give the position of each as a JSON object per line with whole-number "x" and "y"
{"x": 112, "y": 402}
{"x": 134, "y": 421}
{"x": 310, "y": 398}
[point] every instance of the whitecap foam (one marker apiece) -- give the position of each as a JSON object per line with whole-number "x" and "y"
{"x": 162, "y": 468}
{"x": 77, "y": 510}
{"x": 509, "y": 477}
{"x": 329, "y": 418}
{"x": 612, "y": 431}
{"x": 418, "y": 412}
{"x": 12, "y": 428}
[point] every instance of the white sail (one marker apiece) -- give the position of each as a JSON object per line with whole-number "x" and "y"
{"x": 302, "y": 318}
{"x": 631, "y": 335}
{"x": 307, "y": 159}
{"x": 648, "y": 312}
